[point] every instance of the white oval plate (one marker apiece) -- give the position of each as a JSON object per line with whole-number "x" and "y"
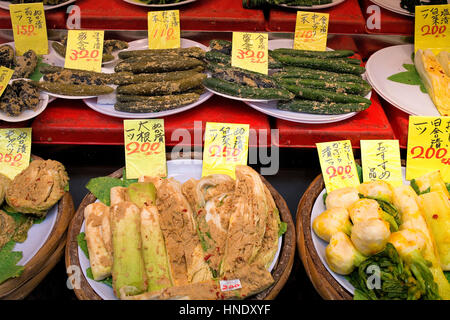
{"x": 142, "y": 4}
{"x": 408, "y": 98}
{"x": 108, "y": 109}
{"x": 181, "y": 170}
{"x": 319, "y": 6}
{"x": 393, "y": 6}
{"x": 270, "y": 108}
{"x": 5, "y": 5}
{"x": 320, "y": 244}
{"x": 28, "y": 114}
{"x": 37, "y": 236}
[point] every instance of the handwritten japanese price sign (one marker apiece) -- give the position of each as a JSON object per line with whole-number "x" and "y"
{"x": 428, "y": 146}
{"x": 432, "y": 29}
{"x": 5, "y": 76}
{"x": 250, "y": 51}
{"x": 380, "y": 160}
{"x": 84, "y": 50}
{"x": 311, "y": 30}
{"x": 29, "y": 27}
{"x": 145, "y": 149}
{"x": 15, "y": 150}
{"x": 226, "y": 146}
{"x": 164, "y": 29}
{"x": 337, "y": 164}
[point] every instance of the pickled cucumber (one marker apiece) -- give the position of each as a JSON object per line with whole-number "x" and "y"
{"x": 73, "y": 89}
{"x": 157, "y": 103}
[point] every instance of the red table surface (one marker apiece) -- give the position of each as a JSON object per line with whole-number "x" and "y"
{"x": 390, "y": 22}
{"x": 54, "y": 19}
{"x": 399, "y": 121}
{"x": 344, "y": 18}
{"x": 368, "y": 124}
{"x": 72, "y": 122}
{"x": 201, "y": 15}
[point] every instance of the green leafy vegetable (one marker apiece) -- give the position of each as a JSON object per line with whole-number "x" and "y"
{"x": 282, "y": 228}
{"x": 411, "y": 77}
{"x": 82, "y": 243}
{"x": 387, "y": 207}
{"x": 37, "y": 75}
{"x": 447, "y": 275}
{"x": 360, "y": 173}
{"x": 8, "y": 262}
{"x": 107, "y": 281}
{"x": 416, "y": 188}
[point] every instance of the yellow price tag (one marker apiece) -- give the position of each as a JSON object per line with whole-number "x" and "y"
{"x": 432, "y": 28}
{"x": 29, "y": 27}
{"x": 337, "y": 164}
{"x": 84, "y": 50}
{"x": 15, "y": 150}
{"x": 250, "y": 51}
{"x": 311, "y": 31}
{"x": 226, "y": 146}
{"x": 5, "y": 76}
{"x": 380, "y": 160}
{"x": 164, "y": 29}
{"x": 428, "y": 146}
{"x": 145, "y": 149}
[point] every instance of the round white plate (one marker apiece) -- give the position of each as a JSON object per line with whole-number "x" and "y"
{"x": 270, "y": 108}
{"x": 27, "y": 114}
{"x": 181, "y": 170}
{"x": 5, "y": 5}
{"x": 109, "y": 110}
{"x": 319, "y": 6}
{"x": 394, "y": 6}
{"x": 408, "y": 98}
{"x": 37, "y": 236}
{"x": 320, "y": 244}
{"x": 143, "y": 4}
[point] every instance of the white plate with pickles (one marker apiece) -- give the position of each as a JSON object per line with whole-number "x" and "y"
{"x": 270, "y": 108}
{"x": 181, "y": 170}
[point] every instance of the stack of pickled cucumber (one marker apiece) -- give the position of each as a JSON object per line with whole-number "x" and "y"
{"x": 158, "y": 80}
{"x": 324, "y": 82}
{"x": 238, "y": 82}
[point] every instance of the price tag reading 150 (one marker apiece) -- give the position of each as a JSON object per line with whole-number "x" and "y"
{"x": 250, "y": 51}
{"x": 84, "y": 50}
{"x": 428, "y": 146}
{"x": 432, "y": 30}
{"x": 337, "y": 164}
{"x": 164, "y": 29}
{"x": 29, "y": 27}
{"x": 226, "y": 146}
{"x": 145, "y": 151}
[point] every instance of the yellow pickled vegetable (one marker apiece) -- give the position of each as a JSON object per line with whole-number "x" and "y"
{"x": 341, "y": 255}
{"x": 330, "y": 222}
{"x": 341, "y": 198}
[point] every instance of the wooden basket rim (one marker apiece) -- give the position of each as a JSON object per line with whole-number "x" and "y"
{"x": 280, "y": 272}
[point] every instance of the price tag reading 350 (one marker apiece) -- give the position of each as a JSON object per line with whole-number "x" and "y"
{"x": 15, "y": 150}
{"x": 226, "y": 146}
{"x": 29, "y": 27}
{"x": 311, "y": 30}
{"x": 380, "y": 160}
{"x": 84, "y": 50}
{"x": 145, "y": 150}
{"x": 428, "y": 146}
{"x": 250, "y": 51}
{"x": 432, "y": 30}
{"x": 337, "y": 164}
{"x": 164, "y": 29}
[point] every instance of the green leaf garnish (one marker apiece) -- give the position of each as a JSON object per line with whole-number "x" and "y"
{"x": 8, "y": 262}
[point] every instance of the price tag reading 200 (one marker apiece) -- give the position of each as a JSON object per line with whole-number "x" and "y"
{"x": 250, "y": 51}
{"x": 428, "y": 146}
{"x": 145, "y": 151}
{"x": 226, "y": 146}
{"x": 432, "y": 29}
{"x": 84, "y": 50}
{"x": 337, "y": 164}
